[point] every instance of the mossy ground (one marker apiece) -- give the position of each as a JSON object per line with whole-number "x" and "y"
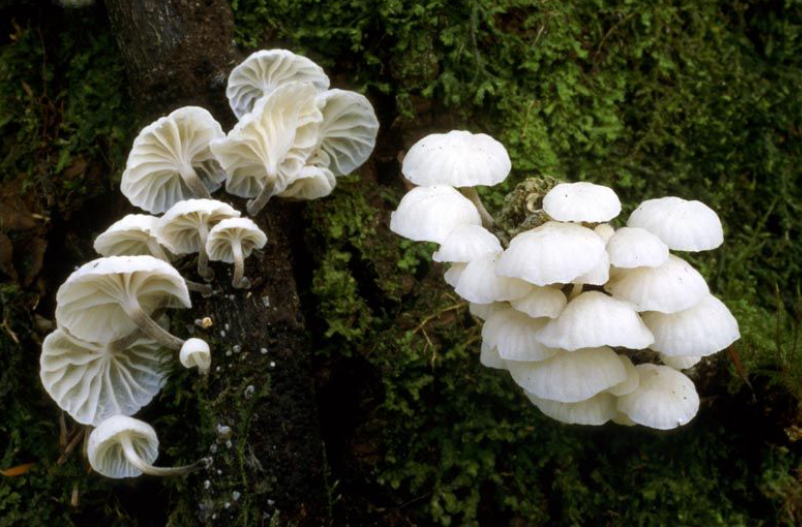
{"x": 667, "y": 97}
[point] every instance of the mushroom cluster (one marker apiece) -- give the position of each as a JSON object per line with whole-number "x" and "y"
{"x": 106, "y": 359}
{"x": 577, "y": 311}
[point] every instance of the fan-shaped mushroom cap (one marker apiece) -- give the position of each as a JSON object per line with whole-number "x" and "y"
{"x": 184, "y": 227}
{"x": 313, "y": 183}
{"x": 581, "y": 202}
{"x": 594, "y": 319}
{"x": 680, "y": 363}
{"x": 682, "y": 225}
{"x": 702, "y": 330}
{"x": 133, "y": 235}
{"x": 541, "y": 301}
{"x": 269, "y": 146}
{"x": 485, "y": 311}
{"x": 457, "y": 159}
{"x": 167, "y": 155}
{"x": 668, "y": 288}
{"x": 634, "y": 247}
{"x": 219, "y": 243}
{"x": 466, "y": 243}
{"x": 93, "y": 382}
{"x": 570, "y": 377}
{"x": 605, "y": 231}
{"x": 195, "y": 353}
{"x": 266, "y": 70}
{"x": 490, "y": 358}
{"x": 552, "y": 253}
{"x": 92, "y": 303}
{"x": 105, "y": 449}
{"x": 665, "y": 398}
{"x": 514, "y": 335}
{"x": 453, "y": 274}
{"x": 594, "y": 411}
{"x": 630, "y": 384}
{"x": 429, "y": 214}
{"x": 349, "y": 128}
{"x": 480, "y": 284}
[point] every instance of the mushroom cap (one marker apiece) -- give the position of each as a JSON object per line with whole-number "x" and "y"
{"x": 105, "y": 451}
{"x": 683, "y": 225}
{"x": 570, "y": 377}
{"x": 541, "y": 301}
{"x": 349, "y": 129}
{"x": 466, "y": 243}
{"x": 701, "y": 330}
{"x": 490, "y": 358}
{"x": 429, "y": 214}
{"x": 270, "y": 145}
{"x": 514, "y": 335}
{"x": 599, "y": 275}
{"x": 173, "y": 144}
{"x": 594, "y": 319}
{"x": 630, "y": 384}
{"x": 594, "y": 411}
{"x": 195, "y": 353}
{"x": 313, "y": 183}
{"x": 93, "y": 382}
{"x": 458, "y": 159}
{"x": 680, "y": 363}
{"x": 266, "y": 70}
{"x": 128, "y": 236}
{"x": 551, "y": 253}
{"x": 180, "y": 227}
{"x": 484, "y": 311}
{"x": 668, "y": 288}
{"x": 581, "y": 201}
{"x": 479, "y": 283}
{"x": 90, "y": 303}
{"x": 665, "y": 398}
{"x": 453, "y": 274}
{"x": 633, "y": 247}
{"x": 219, "y": 243}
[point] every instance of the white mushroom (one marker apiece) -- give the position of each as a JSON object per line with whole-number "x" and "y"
{"x": 232, "y": 241}
{"x": 453, "y": 274}
{"x": 171, "y": 161}
{"x": 682, "y": 225}
{"x": 680, "y": 363}
{"x": 490, "y": 358}
{"x": 133, "y": 235}
{"x": 429, "y": 214}
{"x": 466, "y": 243}
{"x": 631, "y": 383}
{"x": 124, "y": 447}
{"x": 665, "y": 398}
{"x": 195, "y": 353}
{"x": 313, "y": 182}
{"x": 581, "y": 202}
{"x": 594, "y": 411}
{"x": 541, "y": 301}
{"x": 480, "y": 284}
{"x": 633, "y": 247}
{"x": 349, "y": 129}
{"x": 514, "y": 335}
{"x": 485, "y": 311}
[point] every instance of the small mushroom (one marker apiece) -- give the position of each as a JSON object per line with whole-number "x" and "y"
{"x": 195, "y": 353}
{"x": 124, "y": 447}
{"x": 514, "y": 335}
{"x": 479, "y": 282}
{"x": 133, "y": 235}
{"x": 466, "y": 243}
{"x": 232, "y": 241}
{"x": 581, "y": 202}
{"x": 430, "y": 214}
{"x": 683, "y": 225}
{"x": 664, "y": 399}
{"x": 632, "y": 247}
{"x": 348, "y": 131}
{"x": 594, "y": 411}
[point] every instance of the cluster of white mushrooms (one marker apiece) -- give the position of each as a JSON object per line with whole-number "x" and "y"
{"x": 106, "y": 359}
{"x": 569, "y": 304}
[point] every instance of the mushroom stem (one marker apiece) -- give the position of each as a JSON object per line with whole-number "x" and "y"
{"x": 204, "y": 289}
{"x": 471, "y": 194}
{"x": 132, "y": 456}
{"x": 203, "y": 258}
{"x": 150, "y": 328}
{"x": 156, "y": 250}
{"x": 239, "y": 281}
{"x": 194, "y": 183}
{"x": 257, "y": 204}
{"x": 575, "y": 291}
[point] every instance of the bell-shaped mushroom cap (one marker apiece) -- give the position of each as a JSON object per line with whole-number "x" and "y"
{"x": 680, "y": 363}
{"x": 466, "y": 243}
{"x": 313, "y": 183}
{"x": 552, "y": 253}
{"x": 665, "y": 398}
{"x": 92, "y": 303}
{"x": 594, "y": 411}
{"x": 349, "y": 128}
{"x": 682, "y": 225}
{"x": 668, "y": 288}
{"x": 93, "y": 382}
{"x": 457, "y": 159}
{"x": 169, "y": 153}
{"x": 453, "y": 274}
{"x": 634, "y": 247}
{"x": 480, "y": 284}
{"x": 485, "y": 311}
{"x": 266, "y": 70}
{"x": 514, "y": 335}
{"x": 195, "y": 353}
{"x": 581, "y": 202}
{"x": 133, "y": 235}
{"x": 270, "y": 145}
{"x": 630, "y": 384}
{"x": 219, "y": 243}
{"x": 105, "y": 446}
{"x": 702, "y": 330}
{"x": 570, "y": 377}
{"x": 429, "y": 214}
{"x": 594, "y": 319}
{"x": 605, "y": 231}
{"x": 490, "y": 358}
{"x": 541, "y": 301}
{"x": 599, "y": 275}
{"x": 181, "y": 228}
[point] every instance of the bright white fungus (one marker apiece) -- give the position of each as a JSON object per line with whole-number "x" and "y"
{"x": 429, "y": 214}
{"x": 683, "y": 225}
{"x": 581, "y": 202}
{"x": 665, "y": 398}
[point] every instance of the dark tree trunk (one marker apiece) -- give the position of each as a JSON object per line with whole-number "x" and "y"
{"x": 179, "y": 52}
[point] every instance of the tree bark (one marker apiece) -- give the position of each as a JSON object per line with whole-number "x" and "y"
{"x": 259, "y": 398}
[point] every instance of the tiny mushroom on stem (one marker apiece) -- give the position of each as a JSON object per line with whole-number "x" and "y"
{"x": 232, "y": 241}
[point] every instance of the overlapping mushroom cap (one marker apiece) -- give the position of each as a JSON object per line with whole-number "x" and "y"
{"x": 631, "y": 247}
{"x": 108, "y": 442}
{"x": 467, "y": 242}
{"x": 348, "y": 131}
{"x": 228, "y": 234}
{"x": 480, "y": 283}
{"x": 431, "y": 213}
{"x": 683, "y": 225}
{"x": 582, "y": 201}
{"x": 133, "y": 235}
{"x": 514, "y": 335}
{"x": 171, "y": 161}
{"x": 665, "y": 398}
{"x": 594, "y": 411}
{"x": 184, "y": 228}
